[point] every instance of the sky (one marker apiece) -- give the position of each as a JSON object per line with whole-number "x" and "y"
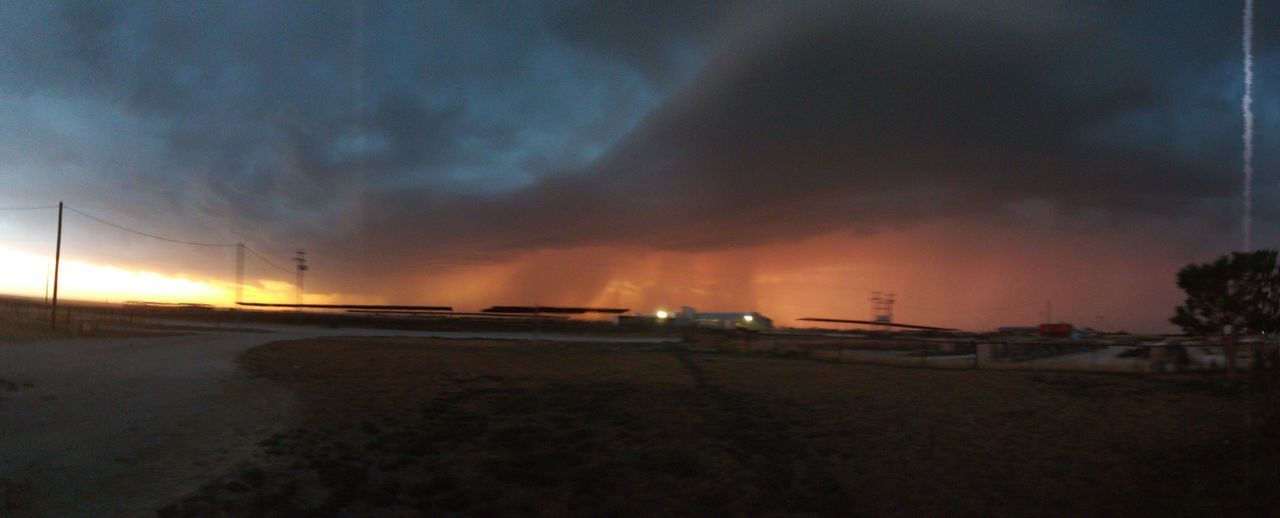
{"x": 978, "y": 159}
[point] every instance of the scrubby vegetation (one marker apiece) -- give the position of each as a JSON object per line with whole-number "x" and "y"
{"x": 407, "y": 426}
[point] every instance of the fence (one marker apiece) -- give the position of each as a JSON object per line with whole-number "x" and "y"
{"x": 1136, "y": 357}
{"x": 74, "y": 320}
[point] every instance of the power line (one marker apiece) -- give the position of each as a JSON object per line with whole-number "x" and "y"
{"x": 141, "y": 233}
{"x": 28, "y": 208}
{"x": 268, "y": 261}
{"x": 179, "y": 241}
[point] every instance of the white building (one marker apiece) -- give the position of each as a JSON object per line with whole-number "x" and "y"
{"x": 688, "y": 316}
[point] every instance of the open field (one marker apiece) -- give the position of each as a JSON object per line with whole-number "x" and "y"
{"x": 22, "y": 329}
{"x": 24, "y": 321}
{"x": 405, "y": 426}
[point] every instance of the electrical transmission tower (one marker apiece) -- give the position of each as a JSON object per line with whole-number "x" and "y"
{"x": 301, "y": 259}
{"x": 882, "y": 307}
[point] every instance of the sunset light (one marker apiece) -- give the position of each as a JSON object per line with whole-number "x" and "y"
{"x": 24, "y": 274}
{"x": 637, "y": 258}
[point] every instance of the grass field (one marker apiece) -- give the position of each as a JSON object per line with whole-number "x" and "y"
{"x": 25, "y": 328}
{"x": 410, "y": 426}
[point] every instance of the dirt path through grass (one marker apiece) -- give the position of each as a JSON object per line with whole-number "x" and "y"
{"x": 789, "y": 476}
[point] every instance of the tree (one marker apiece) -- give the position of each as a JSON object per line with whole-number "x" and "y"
{"x": 1233, "y": 295}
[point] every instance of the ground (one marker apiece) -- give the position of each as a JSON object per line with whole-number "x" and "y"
{"x": 124, "y": 418}
{"x": 121, "y": 426}
{"x": 394, "y": 426}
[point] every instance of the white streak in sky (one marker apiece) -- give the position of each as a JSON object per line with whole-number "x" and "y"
{"x": 1246, "y": 106}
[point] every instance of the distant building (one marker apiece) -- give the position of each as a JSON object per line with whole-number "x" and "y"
{"x": 1018, "y": 330}
{"x": 733, "y": 320}
{"x": 1061, "y": 330}
{"x": 1046, "y": 330}
{"x": 1058, "y": 330}
{"x": 689, "y": 317}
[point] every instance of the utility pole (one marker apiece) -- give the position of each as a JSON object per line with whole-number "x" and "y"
{"x": 57, "y": 262}
{"x": 301, "y": 259}
{"x": 239, "y": 272}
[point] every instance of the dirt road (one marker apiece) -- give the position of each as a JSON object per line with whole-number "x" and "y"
{"x": 110, "y": 426}
{"x": 121, "y": 426}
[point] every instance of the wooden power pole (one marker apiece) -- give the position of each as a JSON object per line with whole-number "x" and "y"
{"x": 57, "y": 262}
{"x": 239, "y": 272}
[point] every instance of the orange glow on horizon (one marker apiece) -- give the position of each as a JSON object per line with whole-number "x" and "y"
{"x": 945, "y": 275}
{"x": 25, "y": 274}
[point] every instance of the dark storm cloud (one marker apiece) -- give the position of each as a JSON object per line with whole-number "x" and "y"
{"x": 660, "y": 39}
{"x": 859, "y": 116}
{"x": 484, "y": 129}
{"x": 287, "y": 116}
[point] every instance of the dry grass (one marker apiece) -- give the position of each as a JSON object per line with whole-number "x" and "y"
{"x": 408, "y": 426}
{"x": 979, "y": 442}
{"x": 23, "y": 329}
{"x": 14, "y": 494}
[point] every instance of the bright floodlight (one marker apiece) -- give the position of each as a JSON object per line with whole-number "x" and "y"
{"x": 662, "y": 314}
{"x": 748, "y": 318}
